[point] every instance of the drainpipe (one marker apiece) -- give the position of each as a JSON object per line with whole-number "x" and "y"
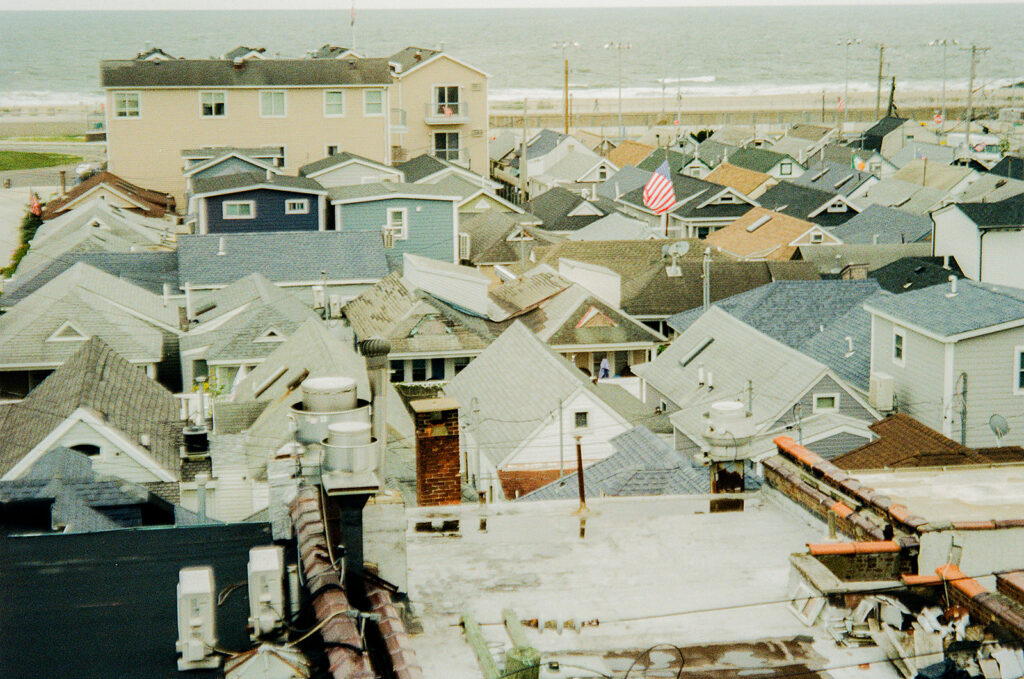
{"x": 201, "y": 480}
{"x": 981, "y": 252}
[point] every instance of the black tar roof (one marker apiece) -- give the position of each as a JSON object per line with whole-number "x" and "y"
{"x": 102, "y": 605}
{"x": 252, "y": 73}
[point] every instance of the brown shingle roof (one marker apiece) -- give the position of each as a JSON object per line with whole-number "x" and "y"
{"x": 905, "y": 442}
{"x": 740, "y": 178}
{"x": 629, "y": 153}
{"x": 770, "y": 240}
{"x": 155, "y": 204}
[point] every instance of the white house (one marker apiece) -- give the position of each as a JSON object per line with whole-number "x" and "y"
{"x": 985, "y": 238}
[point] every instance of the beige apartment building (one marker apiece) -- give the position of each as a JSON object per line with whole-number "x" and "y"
{"x": 386, "y": 109}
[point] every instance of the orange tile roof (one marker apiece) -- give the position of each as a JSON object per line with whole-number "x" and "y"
{"x": 771, "y": 240}
{"x": 787, "y": 445}
{"x": 629, "y": 153}
{"x": 740, "y": 178}
{"x": 956, "y": 577}
{"x": 910, "y": 579}
{"x": 876, "y": 547}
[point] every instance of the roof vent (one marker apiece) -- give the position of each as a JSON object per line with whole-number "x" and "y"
{"x": 952, "y": 287}
{"x": 220, "y": 247}
{"x": 239, "y": 62}
{"x": 759, "y": 223}
{"x": 849, "y": 347}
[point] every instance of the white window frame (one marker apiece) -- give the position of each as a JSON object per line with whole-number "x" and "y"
{"x": 284, "y": 104}
{"x": 817, "y": 237}
{"x": 301, "y": 206}
{"x": 366, "y": 103}
{"x": 602, "y": 173}
{"x": 126, "y": 111}
{"x": 832, "y": 395}
{"x": 447, "y": 150}
{"x": 575, "y": 419}
{"x": 222, "y": 93}
{"x": 250, "y": 203}
{"x": 334, "y": 115}
{"x": 839, "y": 206}
{"x": 1018, "y": 365}
{"x": 786, "y": 168}
{"x": 402, "y": 232}
{"x": 902, "y": 335}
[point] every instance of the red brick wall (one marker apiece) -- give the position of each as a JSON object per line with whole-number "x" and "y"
{"x": 518, "y": 483}
{"x": 438, "y": 459}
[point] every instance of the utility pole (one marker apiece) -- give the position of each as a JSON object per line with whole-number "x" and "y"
{"x": 565, "y": 91}
{"x": 945, "y": 42}
{"x": 561, "y": 443}
{"x": 523, "y": 178}
{"x": 846, "y": 80}
{"x": 619, "y": 46}
{"x": 706, "y": 275}
{"x": 579, "y": 474}
{"x": 970, "y": 94}
{"x": 878, "y": 93}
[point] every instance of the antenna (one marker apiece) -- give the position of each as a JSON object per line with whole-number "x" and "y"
{"x": 999, "y": 426}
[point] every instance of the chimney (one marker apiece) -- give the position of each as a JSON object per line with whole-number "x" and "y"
{"x": 63, "y": 182}
{"x": 438, "y": 456}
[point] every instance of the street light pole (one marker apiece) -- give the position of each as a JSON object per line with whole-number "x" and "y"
{"x": 945, "y": 42}
{"x": 619, "y": 46}
{"x": 846, "y": 79}
{"x": 565, "y": 91}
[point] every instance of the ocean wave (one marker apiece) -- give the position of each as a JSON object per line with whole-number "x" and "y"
{"x": 693, "y": 79}
{"x": 49, "y": 99}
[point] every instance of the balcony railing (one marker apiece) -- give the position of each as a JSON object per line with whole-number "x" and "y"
{"x": 399, "y": 121}
{"x": 451, "y": 113}
{"x": 459, "y": 156}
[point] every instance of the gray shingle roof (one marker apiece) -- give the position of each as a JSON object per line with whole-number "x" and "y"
{"x": 1009, "y": 166}
{"x": 517, "y": 384}
{"x": 100, "y": 380}
{"x": 758, "y": 160}
{"x": 488, "y": 237}
{"x": 148, "y": 270}
{"x": 421, "y": 166}
{"x": 553, "y": 208}
{"x": 245, "y": 181}
{"x": 830, "y": 260}
{"x": 627, "y": 179}
{"x": 831, "y": 176}
{"x": 914, "y": 273}
{"x": 254, "y": 73}
{"x": 800, "y": 201}
{"x": 1004, "y": 213}
{"x": 283, "y": 256}
{"x": 211, "y": 152}
{"x": 976, "y": 306}
{"x": 642, "y": 464}
{"x": 890, "y": 225}
{"x": 412, "y": 56}
{"x": 872, "y": 137}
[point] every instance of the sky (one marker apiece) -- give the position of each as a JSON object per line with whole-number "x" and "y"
{"x": 435, "y": 4}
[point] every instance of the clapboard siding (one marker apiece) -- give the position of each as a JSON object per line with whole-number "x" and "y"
{"x": 270, "y": 214}
{"x": 431, "y": 225}
{"x": 989, "y": 363}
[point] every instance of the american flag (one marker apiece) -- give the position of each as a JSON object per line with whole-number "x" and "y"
{"x": 658, "y": 192}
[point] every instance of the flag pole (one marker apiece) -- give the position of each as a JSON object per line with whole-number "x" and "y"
{"x": 664, "y": 223}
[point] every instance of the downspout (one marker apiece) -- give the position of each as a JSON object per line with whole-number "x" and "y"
{"x": 981, "y": 252}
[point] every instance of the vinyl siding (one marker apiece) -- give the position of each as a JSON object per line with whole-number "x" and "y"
{"x": 270, "y": 214}
{"x": 919, "y": 382}
{"x": 989, "y": 363}
{"x": 430, "y": 225}
{"x": 353, "y": 174}
{"x": 230, "y": 165}
{"x": 848, "y": 406}
{"x": 957, "y": 235}
{"x": 837, "y": 444}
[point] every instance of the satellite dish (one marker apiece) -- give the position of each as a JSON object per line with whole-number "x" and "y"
{"x": 999, "y": 426}
{"x": 679, "y": 248}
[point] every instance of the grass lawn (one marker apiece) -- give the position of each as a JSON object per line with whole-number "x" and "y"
{"x": 20, "y": 160}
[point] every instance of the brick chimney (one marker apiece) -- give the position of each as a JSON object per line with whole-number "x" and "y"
{"x": 438, "y": 459}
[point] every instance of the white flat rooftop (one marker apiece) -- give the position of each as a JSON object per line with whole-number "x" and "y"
{"x": 956, "y": 493}
{"x": 649, "y": 569}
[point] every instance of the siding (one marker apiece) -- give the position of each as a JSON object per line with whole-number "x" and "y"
{"x": 957, "y": 235}
{"x": 837, "y": 444}
{"x": 352, "y": 174}
{"x": 430, "y": 226}
{"x": 989, "y": 364}
{"x": 270, "y": 214}
{"x": 232, "y": 165}
{"x": 826, "y": 385}
{"x": 919, "y": 382}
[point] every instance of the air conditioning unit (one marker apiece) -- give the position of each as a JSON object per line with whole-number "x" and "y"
{"x": 266, "y": 590}
{"x": 882, "y": 391}
{"x": 197, "y": 626}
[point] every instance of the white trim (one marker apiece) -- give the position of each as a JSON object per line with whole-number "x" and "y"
{"x": 386, "y": 196}
{"x": 321, "y": 86}
{"x": 437, "y": 56}
{"x": 95, "y": 421}
{"x": 253, "y": 187}
{"x": 383, "y": 101}
{"x": 901, "y": 333}
{"x": 284, "y": 103}
{"x": 827, "y": 205}
{"x": 250, "y": 203}
{"x": 138, "y": 104}
{"x": 216, "y": 160}
{"x": 830, "y": 394}
{"x": 727, "y": 189}
{"x": 301, "y": 208}
{"x": 1009, "y": 325}
{"x": 103, "y": 185}
{"x": 271, "y": 334}
{"x": 343, "y": 104}
{"x": 397, "y": 233}
{"x": 365, "y": 162}
{"x": 201, "y": 104}
{"x": 67, "y": 324}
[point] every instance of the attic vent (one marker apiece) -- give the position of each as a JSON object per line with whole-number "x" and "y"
{"x": 595, "y": 318}
{"x": 477, "y": 87}
{"x": 819, "y": 175}
{"x": 270, "y": 335}
{"x": 761, "y": 221}
{"x": 686, "y": 360}
{"x": 67, "y": 332}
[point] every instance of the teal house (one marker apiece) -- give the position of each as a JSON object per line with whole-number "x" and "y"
{"x": 418, "y": 219}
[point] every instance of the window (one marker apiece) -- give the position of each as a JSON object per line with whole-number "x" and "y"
{"x": 1018, "y": 385}
{"x": 213, "y": 104}
{"x": 437, "y": 368}
{"x": 602, "y": 173}
{"x": 397, "y": 226}
{"x": 837, "y": 206}
{"x": 817, "y": 237}
{"x": 581, "y": 419}
{"x": 899, "y": 338}
{"x": 824, "y": 402}
{"x": 332, "y": 150}
{"x": 334, "y": 104}
{"x": 446, "y": 145}
{"x": 785, "y": 168}
{"x": 87, "y": 449}
{"x": 464, "y": 249}
{"x": 296, "y": 206}
{"x": 272, "y": 104}
{"x": 397, "y": 371}
{"x": 459, "y": 364}
{"x": 126, "y": 105}
{"x": 239, "y": 209}
{"x": 446, "y": 100}
{"x": 419, "y": 370}
{"x": 373, "y": 103}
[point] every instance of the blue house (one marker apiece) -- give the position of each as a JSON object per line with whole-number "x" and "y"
{"x": 419, "y": 219}
{"x": 258, "y": 202}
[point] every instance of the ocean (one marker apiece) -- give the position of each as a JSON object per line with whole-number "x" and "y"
{"x": 50, "y": 58}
